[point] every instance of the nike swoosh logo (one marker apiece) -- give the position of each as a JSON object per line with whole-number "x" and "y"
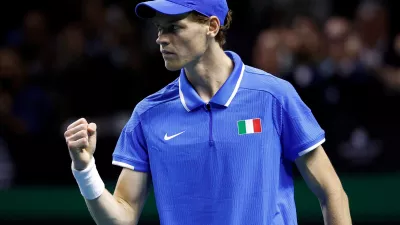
{"x": 166, "y": 137}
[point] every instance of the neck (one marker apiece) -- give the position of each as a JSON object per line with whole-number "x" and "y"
{"x": 208, "y": 73}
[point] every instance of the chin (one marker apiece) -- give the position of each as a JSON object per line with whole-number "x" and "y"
{"x": 173, "y": 66}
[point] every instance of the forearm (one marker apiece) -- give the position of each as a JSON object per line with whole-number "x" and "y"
{"x": 335, "y": 209}
{"x": 125, "y": 205}
{"x": 105, "y": 208}
{"x": 109, "y": 210}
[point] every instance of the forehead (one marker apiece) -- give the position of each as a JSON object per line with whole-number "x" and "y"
{"x": 167, "y": 19}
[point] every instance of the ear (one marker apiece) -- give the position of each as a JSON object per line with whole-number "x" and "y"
{"x": 214, "y": 26}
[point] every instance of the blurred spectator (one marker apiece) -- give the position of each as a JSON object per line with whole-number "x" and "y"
{"x": 390, "y": 73}
{"x": 70, "y": 47}
{"x": 34, "y": 43}
{"x": 24, "y": 109}
{"x": 267, "y": 52}
{"x": 93, "y": 14}
{"x": 120, "y": 39}
{"x": 310, "y": 51}
{"x": 371, "y": 23}
{"x": 26, "y": 113}
{"x": 319, "y": 9}
{"x": 342, "y": 48}
{"x": 311, "y": 47}
{"x": 275, "y": 49}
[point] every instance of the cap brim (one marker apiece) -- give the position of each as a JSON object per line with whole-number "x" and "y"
{"x": 147, "y": 10}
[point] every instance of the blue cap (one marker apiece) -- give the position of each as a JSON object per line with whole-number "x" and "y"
{"x": 218, "y": 8}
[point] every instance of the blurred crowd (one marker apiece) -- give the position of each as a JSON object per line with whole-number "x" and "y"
{"x": 348, "y": 71}
{"x": 95, "y": 59}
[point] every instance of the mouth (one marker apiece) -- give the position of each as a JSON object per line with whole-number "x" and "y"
{"x": 165, "y": 52}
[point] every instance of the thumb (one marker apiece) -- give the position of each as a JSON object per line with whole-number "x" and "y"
{"x": 92, "y": 129}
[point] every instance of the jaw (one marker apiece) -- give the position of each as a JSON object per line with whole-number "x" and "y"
{"x": 172, "y": 65}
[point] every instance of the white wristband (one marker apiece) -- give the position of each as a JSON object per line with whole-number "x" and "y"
{"x": 89, "y": 181}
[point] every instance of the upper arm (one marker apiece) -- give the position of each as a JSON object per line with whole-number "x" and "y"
{"x": 132, "y": 190}
{"x": 131, "y": 149}
{"x": 318, "y": 173}
{"x": 298, "y": 129}
{"x": 131, "y": 153}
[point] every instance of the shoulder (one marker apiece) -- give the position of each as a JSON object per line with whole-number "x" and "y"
{"x": 259, "y": 80}
{"x": 166, "y": 94}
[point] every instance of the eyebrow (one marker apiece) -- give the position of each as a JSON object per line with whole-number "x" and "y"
{"x": 174, "y": 20}
{"x": 168, "y": 23}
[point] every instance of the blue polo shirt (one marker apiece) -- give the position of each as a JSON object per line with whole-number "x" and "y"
{"x": 225, "y": 162}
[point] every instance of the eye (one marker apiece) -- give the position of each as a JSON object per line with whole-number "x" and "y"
{"x": 173, "y": 28}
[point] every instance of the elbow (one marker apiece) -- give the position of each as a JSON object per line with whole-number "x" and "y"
{"x": 127, "y": 222}
{"x": 120, "y": 220}
{"x": 343, "y": 198}
{"x": 126, "y": 214}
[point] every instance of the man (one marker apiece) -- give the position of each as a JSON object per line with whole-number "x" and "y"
{"x": 217, "y": 143}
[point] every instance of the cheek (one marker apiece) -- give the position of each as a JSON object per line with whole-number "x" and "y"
{"x": 193, "y": 39}
{"x": 195, "y": 45}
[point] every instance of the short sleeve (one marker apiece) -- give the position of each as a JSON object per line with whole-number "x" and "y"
{"x": 131, "y": 149}
{"x": 299, "y": 131}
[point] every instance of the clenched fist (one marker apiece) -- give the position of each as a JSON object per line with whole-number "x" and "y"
{"x": 81, "y": 140}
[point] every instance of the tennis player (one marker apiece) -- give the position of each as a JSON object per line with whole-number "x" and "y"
{"x": 217, "y": 144}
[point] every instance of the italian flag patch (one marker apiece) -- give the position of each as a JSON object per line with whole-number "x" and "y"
{"x": 249, "y": 126}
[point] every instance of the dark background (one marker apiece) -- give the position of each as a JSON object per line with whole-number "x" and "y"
{"x": 62, "y": 60}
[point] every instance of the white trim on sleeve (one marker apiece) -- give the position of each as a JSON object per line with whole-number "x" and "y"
{"x": 311, "y": 148}
{"x": 125, "y": 165}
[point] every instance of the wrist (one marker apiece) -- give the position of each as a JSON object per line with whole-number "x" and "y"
{"x": 89, "y": 181}
{"x": 81, "y": 166}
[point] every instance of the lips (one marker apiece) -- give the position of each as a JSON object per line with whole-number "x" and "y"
{"x": 165, "y": 52}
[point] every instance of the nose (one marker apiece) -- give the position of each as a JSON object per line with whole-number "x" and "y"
{"x": 162, "y": 39}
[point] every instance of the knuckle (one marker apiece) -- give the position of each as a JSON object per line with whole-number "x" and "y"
{"x": 82, "y": 133}
{"x": 84, "y": 143}
{"x": 68, "y": 139}
{"x": 83, "y": 127}
{"x": 82, "y": 120}
{"x": 79, "y": 128}
{"x": 79, "y": 144}
{"x": 70, "y": 145}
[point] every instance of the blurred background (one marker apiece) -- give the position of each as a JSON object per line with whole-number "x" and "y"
{"x": 66, "y": 59}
